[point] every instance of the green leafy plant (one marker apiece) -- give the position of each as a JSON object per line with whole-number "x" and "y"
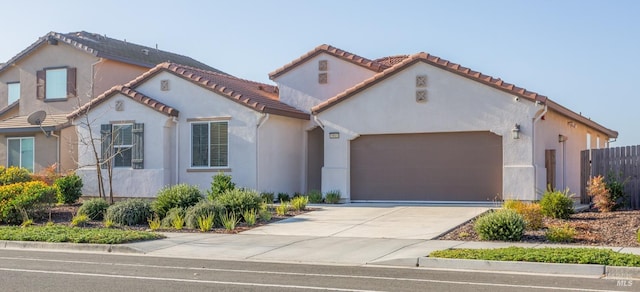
{"x": 26, "y": 223}
{"x": 283, "y": 197}
{"x": 229, "y": 220}
{"x": 34, "y": 197}
{"x": 175, "y": 218}
{"x": 202, "y": 208}
{"x": 503, "y": 224}
{"x": 512, "y": 204}
{"x": 12, "y": 175}
{"x": 299, "y": 203}
{"x": 557, "y": 204}
{"x": 129, "y": 212}
{"x": 282, "y": 209}
{"x": 108, "y": 223}
{"x": 79, "y": 220}
{"x": 315, "y": 197}
{"x": 332, "y": 197}
{"x": 220, "y": 184}
{"x": 596, "y": 256}
{"x": 62, "y": 233}
{"x": 180, "y": 195}
{"x": 597, "y": 190}
{"x": 267, "y": 197}
{"x": 154, "y": 222}
{"x": 69, "y": 188}
{"x": 250, "y": 217}
{"x": 265, "y": 215}
{"x": 616, "y": 191}
{"x": 205, "y": 222}
{"x": 50, "y": 223}
{"x": 564, "y": 233}
{"x": 238, "y": 200}
{"x": 94, "y": 208}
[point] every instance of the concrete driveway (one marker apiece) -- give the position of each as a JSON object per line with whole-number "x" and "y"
{"x": 373, "y": 221}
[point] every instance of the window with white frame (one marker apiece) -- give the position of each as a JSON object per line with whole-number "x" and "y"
{"x": 13, "y": 88}
{"x": 122, "y": 145}
{"x": 20, "y": 152}
{"x": 210, "y": 144}
{"x": 56, "y": 83}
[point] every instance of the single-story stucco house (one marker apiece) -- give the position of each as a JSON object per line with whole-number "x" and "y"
{"x": 401, "y": 128}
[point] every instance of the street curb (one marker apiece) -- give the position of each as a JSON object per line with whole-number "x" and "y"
{"x": 83, "y": 247}
{"x": 622, "y": 272}
{"x": 400, "y": 262}
{"x": 506, "y": 266}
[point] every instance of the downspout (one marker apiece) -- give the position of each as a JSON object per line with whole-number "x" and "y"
{"x": 177, "y": 166}
{"x": 315, "y": 119}
{"x": 93, "y": 76}
{"x": 533, "y": 141}
{"x": 51, "y": 133}
{"x": 263, "y": 119}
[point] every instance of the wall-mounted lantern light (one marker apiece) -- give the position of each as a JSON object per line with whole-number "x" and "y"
{"x": 562, "y": 138}
{"x": 515, "y": 132}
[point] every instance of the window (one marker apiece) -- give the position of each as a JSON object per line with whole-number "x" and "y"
{"x": 14, "y": 91}
{"x": 20, "y": 152}
{"x": 210, "y": 144}
{"x": 56, "y": 83}
{"x": 588, "y": 141}
{"x": 597, "y": 142}
{"x": 122, "y": 145}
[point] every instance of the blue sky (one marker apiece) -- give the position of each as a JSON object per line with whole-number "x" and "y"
{"x": 583, "y": 54}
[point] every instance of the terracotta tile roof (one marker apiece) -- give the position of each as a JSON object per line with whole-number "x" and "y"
{"x": 465, "y": 72}
{"x": 113, "y": 49}
{"x": 20, "y": 124}
{"x": 349, "y": 57}
{"x": 130, "y": 93}
{"x": 391, "y": 61}
{"x": 257, "y": 96}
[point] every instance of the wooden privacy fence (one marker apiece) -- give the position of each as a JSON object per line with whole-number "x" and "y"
{"x": 622, "y": 162}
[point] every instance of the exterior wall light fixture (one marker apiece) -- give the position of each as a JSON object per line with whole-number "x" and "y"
{"x": 515, "y": 132}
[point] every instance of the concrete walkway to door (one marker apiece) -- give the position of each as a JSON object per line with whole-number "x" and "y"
{"x": 373, "y": 221}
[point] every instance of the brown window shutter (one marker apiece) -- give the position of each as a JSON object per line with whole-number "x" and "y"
{"x": 71, "y": 82}
{"x": 40, "y": 76}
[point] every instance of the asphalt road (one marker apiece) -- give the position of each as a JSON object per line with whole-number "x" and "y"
{"x": 22, "y": 270}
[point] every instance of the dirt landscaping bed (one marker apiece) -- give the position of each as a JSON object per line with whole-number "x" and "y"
{"x": 593, "y": 228}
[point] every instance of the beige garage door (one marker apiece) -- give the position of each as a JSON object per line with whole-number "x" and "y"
{"x": 461, "y": 166}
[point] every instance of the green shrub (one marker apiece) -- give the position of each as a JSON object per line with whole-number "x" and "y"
{"x": 315, "y": 197}
{"x": 557, "y": 204}
{"x": 506, "y": 225}
{"x": 238, "y": 200}
{"x": 616, "y": 191}
{"x": 94, "y": 208}
{"x": 69, "y": 188}
{"x": 79, "y": 220}
{"x": 512, "y": 204}
{"x": 267, "y": 197}
{"x": 564, "y": 233}
{"x": 205, "y": 222}
{"x": 282, "y": 209}
{"x": 154, "y": 222}
{"x": 265, "y": 216}
{"x": 250, "y": 217}
{"x": 32, "y": 197}
{"x": 299, "y": 203}
{"x": 283, "y": 197}
{"x": 229, "y": 220}
{"x": 12, "y": 175}
{"x": 129, "y": 212}
{"x": 180, "y": 195}
{"x": 202, "y": 208}
{"x": 172, "y": 215}
{"x": 332, "y": 197}
{"x": 220, "y": 184}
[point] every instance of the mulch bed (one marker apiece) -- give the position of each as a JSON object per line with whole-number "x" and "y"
{"x": 63, "y": 214}
{"x": 593, "y": 228}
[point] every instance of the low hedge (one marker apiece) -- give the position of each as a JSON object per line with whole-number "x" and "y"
{"x": 597, "y": 256}
{"x": 30, "y": 197}
{"x": 60, "y": 233}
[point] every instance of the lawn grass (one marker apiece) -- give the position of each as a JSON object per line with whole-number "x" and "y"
{"x": 600, "y": 256}
{"x": 60, "y": 233}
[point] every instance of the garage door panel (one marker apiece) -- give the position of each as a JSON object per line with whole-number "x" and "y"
{"x": 463, "y": 166}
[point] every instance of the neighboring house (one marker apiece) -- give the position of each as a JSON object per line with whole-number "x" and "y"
{"x": 400, "y": 128}
{"x": 55, "y": 75}
{"x": 178, "y": 124}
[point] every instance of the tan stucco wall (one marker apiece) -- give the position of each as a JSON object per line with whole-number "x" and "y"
{"x": 68, "y": 149}
{"x": 109, "y": 73}
{"x": 45, "y": 149}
